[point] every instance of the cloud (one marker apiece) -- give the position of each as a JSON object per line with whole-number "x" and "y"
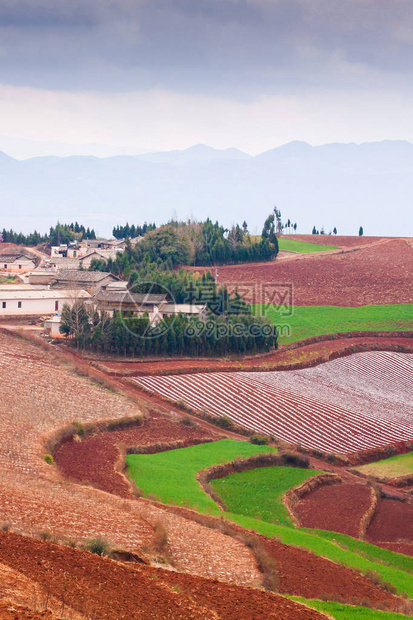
{"x": 236, "y": 49}
{"x": 164, "y": 120}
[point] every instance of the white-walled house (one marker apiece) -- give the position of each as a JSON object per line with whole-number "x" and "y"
{"x": 16, "y": 263}
{"x": 34, "y": 301}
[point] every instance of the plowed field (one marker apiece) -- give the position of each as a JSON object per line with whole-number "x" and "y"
{"x": 352, "y": 404}
{"x": 375, "y": 274}
{"x": 338, "y": 508}
{"x": 38, "y": 396}
{"x": 99, "y": 588}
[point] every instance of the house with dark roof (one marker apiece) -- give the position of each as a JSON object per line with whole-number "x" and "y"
{"x": 17, "y": 263}
{"x": 126, "y": 301}
{"x": 91, "y": 281}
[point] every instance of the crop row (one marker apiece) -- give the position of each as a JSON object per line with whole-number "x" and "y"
{"x": 348, "y": 405}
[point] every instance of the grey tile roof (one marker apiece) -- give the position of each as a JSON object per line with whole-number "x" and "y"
{"x": 73, "y": 275}
{"x": 127, "y": 297}
{"x": 12, "y": 258}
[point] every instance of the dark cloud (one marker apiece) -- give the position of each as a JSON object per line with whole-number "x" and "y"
{"x": 223, "y": 47}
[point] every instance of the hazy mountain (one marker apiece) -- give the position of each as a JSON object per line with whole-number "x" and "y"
{"x": 23, "y": 148}
{"x": 342, "y": 185}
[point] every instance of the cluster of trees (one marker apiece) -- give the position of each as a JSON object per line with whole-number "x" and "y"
{"x": 193, "y": 243}
{"x": 34, "y": 238}
{"x": 177, "y": 335}
{"x": 315, "y": 231}
{"x": 289, "y": 226}
{"x": 64, "y": 233}
{"x": 130, "y": 232}
{"x": 61, "y": 233}
{"x": 322, "y": 232}
{"x": 215, "y": 245}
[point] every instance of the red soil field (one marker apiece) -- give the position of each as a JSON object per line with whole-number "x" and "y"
{"x": 376, "y": 274}
{"x": 9, "y": 611}
{"x": 94, "y": 459}
{"x": 392, "y": 522}
{"x": 300, "y": 573}
{"x": 338, "y": 508}
{"x": 49, "y": 395}
{"x": 107, "y": 590}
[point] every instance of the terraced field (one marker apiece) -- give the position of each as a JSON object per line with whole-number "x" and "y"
{"x": 352, "y": 404}
{"x": 393, "y": 467}
{"x": 305, "y": 247}
{"x": 309, "y": 321}
{"x": 40, "y": 395}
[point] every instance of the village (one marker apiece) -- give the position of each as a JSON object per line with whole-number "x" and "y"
{"x": 35, "y": 286}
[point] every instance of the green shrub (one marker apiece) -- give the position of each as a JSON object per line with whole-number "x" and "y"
{"x": 78, "y": 429}
{"x": 259, "y": 440}
{"x": 187, "y": 421}
{"x": 224, "y": 422}
{"x": 98, "y": 546}
{"x": 48, "y": 459}
{"x": 293, "y": 459}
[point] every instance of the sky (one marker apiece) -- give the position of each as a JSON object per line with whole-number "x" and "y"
{"x": 168, "y": 74}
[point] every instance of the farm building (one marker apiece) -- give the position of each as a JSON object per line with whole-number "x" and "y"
{"x": 29, "y": 300}
{"x": 17, "y": 263}
{"x": 114, "y": 297}
{"x": 61, "y": 262}
{"x": 124, "y": 300}
{"x": 43, "y": 276}
{"x": 86, "y": 260}
{"x": 170, "y": 309}
{"x": 91, "y": 281}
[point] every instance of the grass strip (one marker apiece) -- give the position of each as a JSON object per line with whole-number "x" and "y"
{"x": 348, "y": 612}
{"x": 303, "y": 247}
{"x": 171, "y": 476}
{"x": 393, "y": 467}
{"x": 315, "y": 543}
{"x": 308, "y": 321}
{"x": 258, "y": 492}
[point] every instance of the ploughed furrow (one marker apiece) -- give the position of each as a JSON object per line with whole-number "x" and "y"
{"x": 323, "y": 416}
{"x": 337, "y": 406}
{"x": 385, "y": 372}
{"x": 380, "y": 419}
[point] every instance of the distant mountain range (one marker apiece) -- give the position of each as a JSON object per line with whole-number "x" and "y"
{"x": 342, "y": 185}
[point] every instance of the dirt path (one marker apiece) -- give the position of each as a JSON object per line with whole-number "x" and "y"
{"x": 302, "y": 355}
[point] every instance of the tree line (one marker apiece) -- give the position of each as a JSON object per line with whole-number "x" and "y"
{"x": 131, "y": 232}
{"x": 215, "y": 335}
{"x": 61, "y": 233}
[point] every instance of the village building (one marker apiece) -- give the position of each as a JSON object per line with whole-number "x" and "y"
{"x": 17, "y": 263}
{"x": 26, "y": 300}
{"x": 170, "y": 309}
{"x": 91, "y": 281}
{"x": 133, "y": 303}
{"x": 43, "y": 276}
{"x": 157, "y": 307}
{"x": 106, "y": 244}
